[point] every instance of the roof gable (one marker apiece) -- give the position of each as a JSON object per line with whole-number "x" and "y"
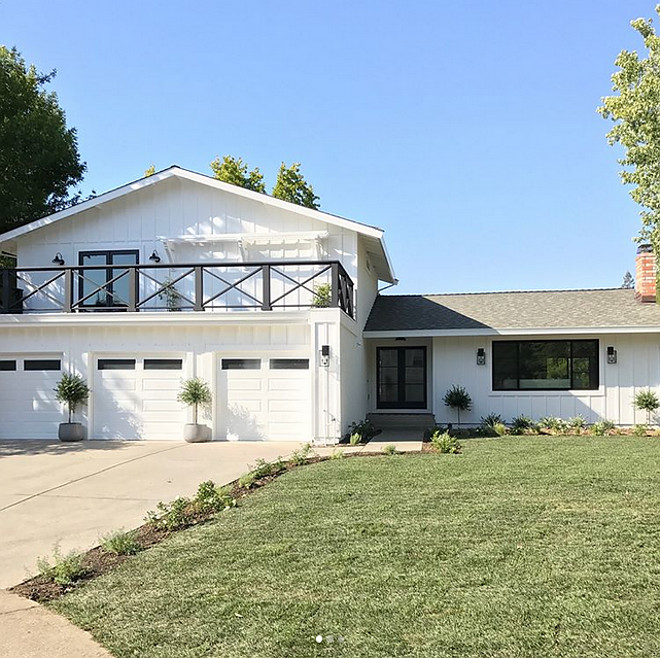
{"x": 372, "y": 234}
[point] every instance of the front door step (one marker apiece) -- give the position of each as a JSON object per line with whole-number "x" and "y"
{"x": 403, "y": 421}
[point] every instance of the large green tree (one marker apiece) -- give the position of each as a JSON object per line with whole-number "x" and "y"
{"x": 235, "y": 171}
{"x": 635, "y": 111}
{"x": 39, "y": 160}
{"x": 292, "y": 186}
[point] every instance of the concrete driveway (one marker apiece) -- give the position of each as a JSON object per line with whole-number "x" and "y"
{"x": 72, "y": 493}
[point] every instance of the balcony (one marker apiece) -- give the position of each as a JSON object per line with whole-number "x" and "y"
{"x": 196, "y": 287}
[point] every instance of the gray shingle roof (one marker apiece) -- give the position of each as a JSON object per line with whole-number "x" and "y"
{"x": 613, "y": 307}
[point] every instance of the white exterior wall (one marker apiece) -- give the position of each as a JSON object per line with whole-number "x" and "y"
{"x": 638, "y": 367}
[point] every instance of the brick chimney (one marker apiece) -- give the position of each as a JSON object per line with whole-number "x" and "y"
{"x": 645, "y": 274}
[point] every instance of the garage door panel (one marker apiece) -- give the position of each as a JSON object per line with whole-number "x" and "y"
{"x": 28, "y": 408}
{"x": 138, "y": 404}
{"x": 264, "y": 404}
{"x": 169, "y": 385}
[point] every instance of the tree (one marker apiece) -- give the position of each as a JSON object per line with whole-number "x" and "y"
{"x": 235, "y": 171}
{"x": 628, "y": 281}
{"x": 291, "y": 186}
{"x": 634, "y": 111}
{"x": 39, "y": 158}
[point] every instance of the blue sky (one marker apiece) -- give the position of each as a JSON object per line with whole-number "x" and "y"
{"x": 466, "y": 129}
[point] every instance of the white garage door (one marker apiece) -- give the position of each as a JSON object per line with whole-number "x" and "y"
{"x": 135, "y": 398}
{"x": 28, "y": 408}
{"x": 264, "y": 399}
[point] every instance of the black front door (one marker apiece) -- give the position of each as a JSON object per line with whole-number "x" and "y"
{"x": 401, "y": 377}
{"x": 94, "y": 285}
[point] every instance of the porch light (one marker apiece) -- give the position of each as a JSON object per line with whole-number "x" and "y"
{"x": 58, "y": 260}
{"x": 481, "y": 356}
{"x": 611, "y": 355}
{"x": 155, "y": 258}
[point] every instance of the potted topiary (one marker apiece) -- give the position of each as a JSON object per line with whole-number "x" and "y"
{"x": 73, "y": 391}
{"x": 458, "y": 398}
{"x": 195, "y": 392}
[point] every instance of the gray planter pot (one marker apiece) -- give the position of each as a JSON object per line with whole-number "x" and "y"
{"x": 70, "y": 432}
{"x": 196, "y": 433}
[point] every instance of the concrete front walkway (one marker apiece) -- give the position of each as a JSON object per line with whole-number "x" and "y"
{"x": 71, "y": 494}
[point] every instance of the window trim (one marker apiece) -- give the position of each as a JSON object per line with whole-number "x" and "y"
{"x": 570, "y": 341}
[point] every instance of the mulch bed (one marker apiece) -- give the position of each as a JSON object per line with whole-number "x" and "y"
{"x": 98, "y": 561}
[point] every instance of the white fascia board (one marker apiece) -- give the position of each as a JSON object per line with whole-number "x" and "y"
{"x": 553, "y": 331}
{"x": 154, "y": 318}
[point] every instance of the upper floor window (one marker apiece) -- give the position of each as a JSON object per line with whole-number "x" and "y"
{"x": 97, "y": 287}
{"x": 557, "y": 365}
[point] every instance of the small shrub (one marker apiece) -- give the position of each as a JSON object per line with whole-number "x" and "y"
{"x": 247, "y": 480}
{"x": 640, "y": 430}
{"x": 211, "y": 498}
{"x": 360, "y": 431}
{"x": 602, "y": 428}
{"x": 577, "y": 423}
{"x": 300, "y": 457}
{"x": 121, "y": 543}
{"x": 500, "y": 429}
{"x": 647, "y": 401}
{"x": 390, "y": 450}
{"x": 322, "y": 295}
{"x": 553, "y": 424}
{"x": 458, "y": 398}
{"x": 171, "y": 516}
{"x": 337, "y": 453}
{"x": 430, "y": 431}
{"x": 445, "y": 443}
{"x": 65, "y": 569}
{"x": 491, "y": 420}
{"x": 523, "y": 425}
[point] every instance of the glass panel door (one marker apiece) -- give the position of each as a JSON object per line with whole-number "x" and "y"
{"x": 401, "y": 377}
{"x": 120, "y": 293}
{"x": 104, "y": 295}
{"x": 92, "y": 282}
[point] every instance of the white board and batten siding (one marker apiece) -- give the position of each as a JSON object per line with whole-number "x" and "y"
{"x": 637, "y": 368}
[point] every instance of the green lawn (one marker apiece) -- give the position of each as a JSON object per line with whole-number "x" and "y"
{"x": 521, "y": 546}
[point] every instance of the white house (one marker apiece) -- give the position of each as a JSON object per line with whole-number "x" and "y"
{"x": 277, "y": 307}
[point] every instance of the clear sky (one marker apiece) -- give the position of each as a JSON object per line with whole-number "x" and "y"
{"x": 467, "y": 129}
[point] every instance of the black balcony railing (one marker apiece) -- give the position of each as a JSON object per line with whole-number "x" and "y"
{"x": 211, "y": 286}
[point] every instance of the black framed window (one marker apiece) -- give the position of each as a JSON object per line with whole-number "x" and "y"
{"x": 241, "y": 364}
{"x": 289, "y": 364}
{"x": 42, "y": 364}
{"x": 116, "y": 364}
{"x": 96, "y": 287}
{"x": 8, "y": 364}
{"x": 163, "y": 364}
{"x": 545, "y": 365}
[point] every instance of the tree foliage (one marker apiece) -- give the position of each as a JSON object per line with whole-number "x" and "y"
{"x": 291, "y": 186}
{"x": 634, "y": 111}
{"x": 235, "y": 171}
{"x": 39, "y": 158}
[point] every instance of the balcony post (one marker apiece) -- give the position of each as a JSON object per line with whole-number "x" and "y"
{"x": 132, "y": 290}
{"x": 5, "y": 290}
{"x": 199, "y": 288}
{"x": 68, "y": 290}
{"x": 265, "y": 301}
{"x": 334, "y": 288}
